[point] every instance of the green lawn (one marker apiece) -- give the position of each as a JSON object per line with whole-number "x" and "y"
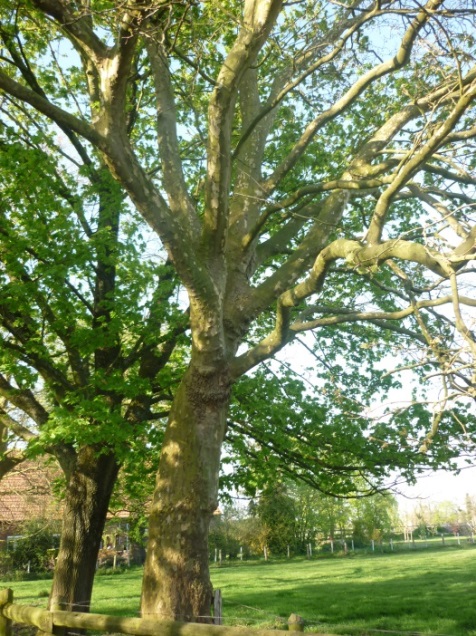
{"x": 426, "y": 592}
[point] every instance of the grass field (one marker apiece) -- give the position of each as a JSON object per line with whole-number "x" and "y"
{"x": 427, "y": 592}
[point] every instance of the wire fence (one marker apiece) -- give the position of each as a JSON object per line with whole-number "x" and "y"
{"x": 314, "y": 549}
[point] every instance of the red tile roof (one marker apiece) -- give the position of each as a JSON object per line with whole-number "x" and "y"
{"x": 26, "y": 493}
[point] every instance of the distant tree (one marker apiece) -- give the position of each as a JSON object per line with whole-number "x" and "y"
{"x": 277, "y": 512}
{"x": 374, "y": 517}
{"x": 470, "y": 512}
{"x": 225, "y": 532}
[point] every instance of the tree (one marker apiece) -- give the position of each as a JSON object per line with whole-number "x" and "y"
{"x": 374, "y": 517}
{"x": 277, "y": 513}
{"x": 301, "y": 173}
{"x": 83, "y": 331}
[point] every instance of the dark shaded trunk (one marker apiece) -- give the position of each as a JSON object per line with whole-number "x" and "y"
{"x": 176, "y": 582}
{"x": 90, "y": 483}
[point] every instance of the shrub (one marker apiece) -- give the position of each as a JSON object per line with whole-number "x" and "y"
{"x": 35, "y": 549}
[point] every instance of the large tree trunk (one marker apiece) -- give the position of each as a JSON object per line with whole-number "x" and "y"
{"x": 90, "y": 483}
{"x": 176, "y": 582}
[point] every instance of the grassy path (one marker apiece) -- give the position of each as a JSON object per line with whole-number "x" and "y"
{"x": 429, "y": 592}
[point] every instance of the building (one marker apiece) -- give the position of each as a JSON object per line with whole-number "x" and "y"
{"x": 26, "y": 495}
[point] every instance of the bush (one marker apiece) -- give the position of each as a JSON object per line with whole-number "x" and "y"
{"x": 35, "y": 549}
{"x": 5, "y": 563}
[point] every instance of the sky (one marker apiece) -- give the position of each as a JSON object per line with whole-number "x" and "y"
{"x": 439, "y": 486}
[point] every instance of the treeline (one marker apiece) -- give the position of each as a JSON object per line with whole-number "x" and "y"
{"x": 287, "y": 518}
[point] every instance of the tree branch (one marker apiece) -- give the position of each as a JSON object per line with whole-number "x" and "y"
{"x": 56, "y": 114}
{"x": 24, "y": 400}
{"x": 398, "y": 61}
{"x": 259, "y": 17}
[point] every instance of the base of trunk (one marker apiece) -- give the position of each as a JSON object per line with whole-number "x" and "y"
{"x": 88, "y": 492}
{"x": 176, "y": 584}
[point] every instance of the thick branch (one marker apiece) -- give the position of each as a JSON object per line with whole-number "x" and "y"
{"x": 415, "y": 161}
{"x": 398, "y": 61}
{"x": 259, "y": 17}
{"x": 15, "y": 427}
{"x": 77, "y": 25}
{"x": 56, "y": 114}
{"x": 337, "y": 36}
{"x": 172, "y": 171}
{"x": 24, "y": 400}
{"x": 357, "y": 256}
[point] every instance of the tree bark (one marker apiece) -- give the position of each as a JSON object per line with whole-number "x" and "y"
{"x": 91, "y": 479}
{"x": 176, "y": 582}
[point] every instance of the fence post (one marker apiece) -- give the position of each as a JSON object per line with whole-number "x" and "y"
{"x": 217, "y": 607}
{"x": 295, "y": 623}
{"x": 6, "y": 596}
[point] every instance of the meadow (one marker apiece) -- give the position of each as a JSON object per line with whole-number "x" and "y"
{"x": 424, "y": 592}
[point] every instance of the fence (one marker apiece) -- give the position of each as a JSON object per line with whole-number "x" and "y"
{"x": 57, "y": 622}
{"x": 336, "y": 546}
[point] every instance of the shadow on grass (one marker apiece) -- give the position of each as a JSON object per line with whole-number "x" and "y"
{"x": 430, "y": 602}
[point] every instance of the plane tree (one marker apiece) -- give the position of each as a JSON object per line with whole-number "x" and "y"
{"x": 306, "y": 167}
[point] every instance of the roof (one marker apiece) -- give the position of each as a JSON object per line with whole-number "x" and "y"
{"x": 26, "y": 493}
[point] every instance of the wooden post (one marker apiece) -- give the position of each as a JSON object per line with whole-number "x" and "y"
{"x": 114, "y": 561}
{"x": 217, "y": 607}
{"x": 265, "y": 551}
{"x": 216, "y": 554}
{"x": 373, "y": 545}
{"x": 6, "y": 596}
{"x": 353, "y": 548}
{"x": 332, "y": 546}
{"x": 219, "y": 556}
{"x": 288, "y": 551}
{"x": 295, "y": 623}
{"x": 391, "y": 544}
{"x": 241, "y": 553}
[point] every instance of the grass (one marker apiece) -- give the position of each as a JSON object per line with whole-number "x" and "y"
{"x": 427, "y": 592}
